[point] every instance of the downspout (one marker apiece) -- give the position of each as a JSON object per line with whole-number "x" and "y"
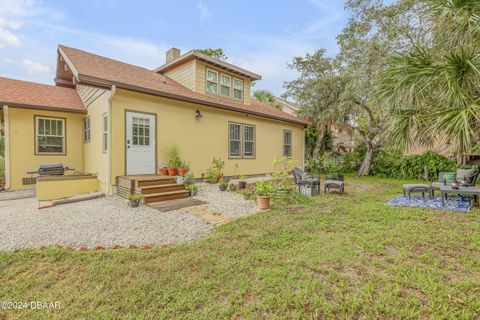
{"x": 113, "y": 91}
{"x": 7, "y": 146}
{"x": 303, "y": 151}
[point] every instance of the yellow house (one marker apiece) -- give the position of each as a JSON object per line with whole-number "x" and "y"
{"x": 109, "y": 119}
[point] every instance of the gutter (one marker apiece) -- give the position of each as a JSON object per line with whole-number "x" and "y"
{"x": 107, "y": 84}
{"x": 113, "y": 91}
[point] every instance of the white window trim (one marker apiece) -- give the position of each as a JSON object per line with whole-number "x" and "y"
{"x": 64, "y": 145}
{"x": 219, "y": 85}
{"x": 207, "y": 80}
{"x": 241, "y": 90}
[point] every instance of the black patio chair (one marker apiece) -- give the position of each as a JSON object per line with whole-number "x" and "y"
{"x": 335, "y": 182}
{"x": 304, "y": 179}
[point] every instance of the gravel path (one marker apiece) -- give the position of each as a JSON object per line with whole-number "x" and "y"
{"x": 101, "y": 222}
{"x": 19, "y": 194}
{"x": 228, "y": 203}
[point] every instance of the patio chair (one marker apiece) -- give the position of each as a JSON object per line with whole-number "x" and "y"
{"x": 335, "y": 182}
{"x": 303, "y": 179}
{"x": 470, "y": 175}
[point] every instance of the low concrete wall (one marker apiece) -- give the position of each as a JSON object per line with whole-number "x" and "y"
{"x": 59, "y": 187}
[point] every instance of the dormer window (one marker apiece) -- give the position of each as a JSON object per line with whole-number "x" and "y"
{"x": 224, "y": 85}
{"x": 238, "y": 89}
{"x": 212, "y": 81}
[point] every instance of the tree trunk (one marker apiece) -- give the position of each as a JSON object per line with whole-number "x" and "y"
{"x": 318, "y": 143}
{"x": 370, "y": 156}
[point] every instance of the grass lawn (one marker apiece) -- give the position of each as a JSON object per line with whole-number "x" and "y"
{"x": 346, "y": 257}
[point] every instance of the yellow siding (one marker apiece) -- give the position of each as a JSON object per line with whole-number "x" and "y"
{"x": 184, "y": 74}
{"x": 95, "y": 160}
{"x": 200, "y": 79}
{"x": 22, "y": 144}
{"x": 54, "y": 188}
{"x": 200, "y": 140}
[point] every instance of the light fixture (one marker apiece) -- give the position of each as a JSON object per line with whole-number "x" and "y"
{"x": 199, "y": 115}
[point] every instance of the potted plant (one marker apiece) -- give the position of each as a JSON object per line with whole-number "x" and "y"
{"x": 223, "y": 186}
{"x": 214, "y": 173}
{"x": 183, "y": 169}
{"x": 192, "y": 188}
{"x": 164, "y": 171}
{"x": 242, "y": 184}
{"x": 264, "y": 190}
{"x": 134, "y": 199}
{"x": 232, "y": 187}
{"x": 174, "y": 161}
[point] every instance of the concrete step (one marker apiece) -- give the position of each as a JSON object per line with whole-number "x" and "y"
{"x": 162, "y": 188}
{"x": 163, "y": 196}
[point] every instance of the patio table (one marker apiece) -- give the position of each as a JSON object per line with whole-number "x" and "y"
{"x": 446, "y": 190}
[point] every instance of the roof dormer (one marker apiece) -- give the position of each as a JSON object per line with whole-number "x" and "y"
{"x": 206, "y": 75}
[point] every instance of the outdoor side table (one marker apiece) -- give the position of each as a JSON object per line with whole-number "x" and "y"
{"x": 416, "y": 187}
{"x": 446, "y": 190}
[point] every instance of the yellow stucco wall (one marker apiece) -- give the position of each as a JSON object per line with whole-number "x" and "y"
{"x": 200, "y": 140}
{"x": 54, "y": 188}
{"x": 95, "y": 160}
{"x": 200, "y": 80}
{"x": 22, "y": 144}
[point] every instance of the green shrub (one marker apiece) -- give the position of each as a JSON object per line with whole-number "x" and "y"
{"x": 390, "y": 164}
{"x": 327, "y": 163}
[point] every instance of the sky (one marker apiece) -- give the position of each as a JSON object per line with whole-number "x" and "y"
{"x": 261, "y": 36}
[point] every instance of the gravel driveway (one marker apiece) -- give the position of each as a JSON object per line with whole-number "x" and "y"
{"x": 101, "y": 222}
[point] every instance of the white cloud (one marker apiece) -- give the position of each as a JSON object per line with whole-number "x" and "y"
{"x": 35, "y": 68}
{"x": 11, "y": 14}
{"x": 204, "y": 12}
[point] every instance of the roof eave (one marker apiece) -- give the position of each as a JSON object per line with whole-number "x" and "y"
{"x": 107, "y": 84}
{"x": 217, "y": 63}
{"x": 40, "y": 107}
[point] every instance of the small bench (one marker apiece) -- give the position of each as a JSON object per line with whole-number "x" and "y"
{"x": 416, "y": 187}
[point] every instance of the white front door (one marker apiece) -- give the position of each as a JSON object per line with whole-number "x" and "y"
{"x": 140, "y": 143}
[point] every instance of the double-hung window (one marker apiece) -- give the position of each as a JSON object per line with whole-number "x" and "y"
{"x": 287, "y": 143}
{"x": 49, "y": 135}
{"x": 86, "y": 130}
{"x": 212, "y": 81}
{"x": 238, "y": 89}
{"x": 241, "y": 140}
{"x": 105, "y": 133}
{"x": 248, "y": 141}
{"x": 226, "y": 85}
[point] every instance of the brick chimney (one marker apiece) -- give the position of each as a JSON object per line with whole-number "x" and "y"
{"x": 172, "y": 54}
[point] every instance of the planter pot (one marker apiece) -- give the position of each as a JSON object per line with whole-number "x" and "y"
{"x": 172, "y": 171}
{"x": 193, "y": 193}
{"x": 242, "y": 184}
{"x": 133, "y": 203}
{"x": 263, "y": 202}
{"x": 222, "y": 188}
{"x": 164, "y": 171}
{"x": 181, "y": 172}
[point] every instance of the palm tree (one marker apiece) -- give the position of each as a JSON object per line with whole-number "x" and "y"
{"x": 434, "y": 90}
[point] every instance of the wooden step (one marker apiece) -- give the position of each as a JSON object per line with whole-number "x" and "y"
{"x": 155, "y": 182}
{"x": 157, "y": 197}
{"x": 162, "y": 188}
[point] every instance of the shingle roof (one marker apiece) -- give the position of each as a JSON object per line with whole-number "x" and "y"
{"x": 95, "y": 69}
{"x": 28, "y": 94}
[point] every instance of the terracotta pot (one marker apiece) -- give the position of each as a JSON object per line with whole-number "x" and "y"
{"x": 181, "y": 172}
{"x": 172, "y": 171}
{"x": 164, "y": 171}
{"x": 263, "y": 202}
